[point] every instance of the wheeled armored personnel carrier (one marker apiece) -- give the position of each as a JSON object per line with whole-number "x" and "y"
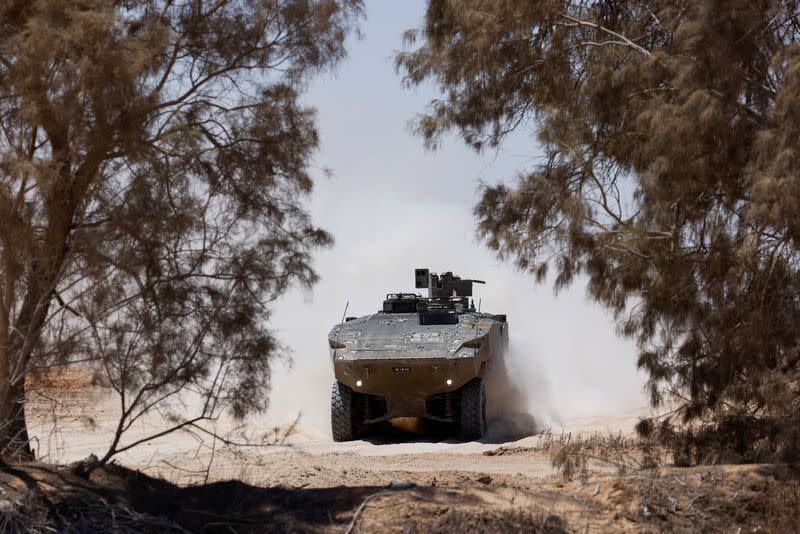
{"x": 416, "y": 357}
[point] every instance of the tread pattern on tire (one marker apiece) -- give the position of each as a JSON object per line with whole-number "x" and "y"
{"x": 473, "y": 410}
{"x": 341, "y": 412}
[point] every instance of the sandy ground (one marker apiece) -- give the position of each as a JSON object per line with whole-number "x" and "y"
{"x": 400, "y": 482}
{"x": 69, "y": 420}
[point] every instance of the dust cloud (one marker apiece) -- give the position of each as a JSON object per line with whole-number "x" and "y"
{"x": 300, "y": 392}
{"x": 518, "y": 397}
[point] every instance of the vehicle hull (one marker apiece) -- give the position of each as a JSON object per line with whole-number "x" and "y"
{"x": 409, "y": 376}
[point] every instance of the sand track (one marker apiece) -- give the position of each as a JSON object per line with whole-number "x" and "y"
{"x": 424, "y": 483}
{"x": 70, "y": 421}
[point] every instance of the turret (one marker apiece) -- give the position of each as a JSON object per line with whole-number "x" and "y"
{"x": 448, "y": 295}
{"x": 444, "y": 285}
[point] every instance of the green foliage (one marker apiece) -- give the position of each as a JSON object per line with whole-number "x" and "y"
{"x": 670, "y": 178}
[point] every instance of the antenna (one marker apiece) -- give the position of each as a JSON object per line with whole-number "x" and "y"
{"x": 338, "y": 332}
{"x": 478, "y": 318}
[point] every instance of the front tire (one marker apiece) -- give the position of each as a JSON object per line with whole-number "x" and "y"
{"x": 473, "y": 410}
{"x": 341, "y": 412}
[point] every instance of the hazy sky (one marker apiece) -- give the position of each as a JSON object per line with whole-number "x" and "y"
{"x": 392, "y": 206}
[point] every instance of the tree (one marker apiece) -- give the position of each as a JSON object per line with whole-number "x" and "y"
{"x": 154, "y": 159}
{"x": 670, "y": 180}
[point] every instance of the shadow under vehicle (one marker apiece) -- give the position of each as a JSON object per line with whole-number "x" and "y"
{"x": 416, "y": 357}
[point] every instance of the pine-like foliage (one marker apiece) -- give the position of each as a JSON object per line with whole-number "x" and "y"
{"x": 153, "y": 170}
{"x": 671, "y": 181}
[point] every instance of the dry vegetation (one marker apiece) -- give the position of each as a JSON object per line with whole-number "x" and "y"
{"x": 39, "y": 498}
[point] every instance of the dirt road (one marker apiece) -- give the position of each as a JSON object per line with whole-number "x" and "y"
{"x": 75, "y": 420}
{"x": 410, "y": 483}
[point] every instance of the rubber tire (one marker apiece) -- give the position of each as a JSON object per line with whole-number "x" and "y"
{"x": 473, "y": 410}
{"x": 341, "y": 412}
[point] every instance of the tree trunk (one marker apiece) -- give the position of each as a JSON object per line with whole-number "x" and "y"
{"x": 14, "y": 444}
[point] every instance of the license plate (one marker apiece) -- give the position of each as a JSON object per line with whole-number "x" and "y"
{"x": 401, "y": 369}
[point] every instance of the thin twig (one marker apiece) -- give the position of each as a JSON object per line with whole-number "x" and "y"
{"x": 361, "y": 508}
{"x": 622, "y": 38}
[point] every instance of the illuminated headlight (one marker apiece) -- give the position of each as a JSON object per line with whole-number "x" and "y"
{"x": 449, "y": 382}
{"x": 358, "y": 383}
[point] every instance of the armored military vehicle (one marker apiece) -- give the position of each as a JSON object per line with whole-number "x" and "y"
{"x": 416, "y": 357}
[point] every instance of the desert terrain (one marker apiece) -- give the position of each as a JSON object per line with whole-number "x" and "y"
{"x": 392, "y": 480}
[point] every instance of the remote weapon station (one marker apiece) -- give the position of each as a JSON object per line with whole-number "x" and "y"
{"x": 416, "y": 357}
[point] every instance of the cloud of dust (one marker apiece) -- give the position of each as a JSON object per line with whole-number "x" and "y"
{"x": 519, "y": 399}
{"x": 564, "y": 361}
{"x": 301, "y": 390}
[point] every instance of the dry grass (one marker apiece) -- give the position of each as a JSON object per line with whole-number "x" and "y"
{"x": 489, "y": 521}
{"x": 747, "y": 499}
{"x": 573, "y": 455}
